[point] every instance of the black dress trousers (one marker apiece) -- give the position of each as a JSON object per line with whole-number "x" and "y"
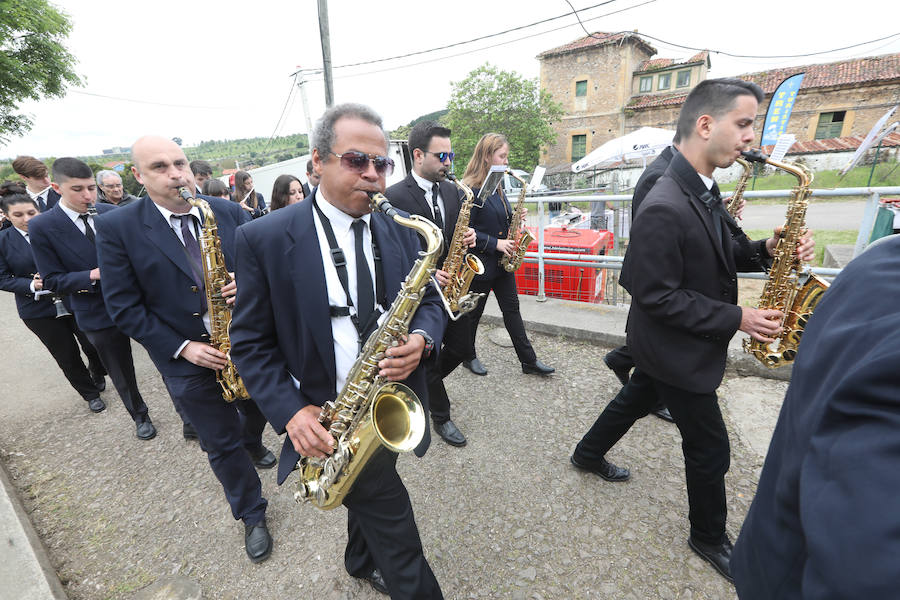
{"x": 707, "y": 453}
{"x": 114, "y": 348}
{"x": 504, "y": 287}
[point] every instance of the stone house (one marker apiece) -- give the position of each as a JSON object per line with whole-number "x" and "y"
{"x": 610, "y": 85}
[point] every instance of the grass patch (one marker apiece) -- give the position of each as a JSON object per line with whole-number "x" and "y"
{"x": 887, "y": 174}
{"x": 823, "y": 238}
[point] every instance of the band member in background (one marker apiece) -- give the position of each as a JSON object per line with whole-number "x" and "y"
{"x": 64, "y": 244}
{"x": 312, "y": 179}
{"x": 491, "y": 223}
{"x": 155, "y": 293}
{"x": 37, "y": 307}
{"x": 822, "y": 523}
{"x": 424, "y": 192}
{"x": 112, "y": 190}
{"x": 286, "y": 190}
{"x": 247, "y": 196}
{"x": 202, "y": 172}
{"x": 295, "y": 336}
{"x": 216, "y": 189}
{"x": 680, "y": 269}
{"x": 37, "y": 180}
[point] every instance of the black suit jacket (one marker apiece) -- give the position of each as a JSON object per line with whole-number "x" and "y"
{"x": 149, "y": 286}
{"x": 282, "y": 327}
{"x": 491, "y": 222}
{"x": 17, "y": 268}
{"x": 408, "y": 196}
{"x": 824, "y": 522}
{"x": 306, "y": 190}
{"x": 650, "y": 176}
{"x": 65, "y": 259}
{"x": 683, "y": 284}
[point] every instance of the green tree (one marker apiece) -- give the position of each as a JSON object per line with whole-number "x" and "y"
{"x": 491, "y": 100}
{"x": 33, "y": 61}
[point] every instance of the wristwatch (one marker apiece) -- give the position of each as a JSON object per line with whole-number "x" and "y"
{"x": 429, "y": 342}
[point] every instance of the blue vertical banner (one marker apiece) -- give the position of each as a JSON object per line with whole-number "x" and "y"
{"x": 780, "y": 107}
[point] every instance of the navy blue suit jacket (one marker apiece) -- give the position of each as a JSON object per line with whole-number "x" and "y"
{"x": 17, "y": 268}
{"x": 149, "y": 286}
{"x": 408, "y": 196}
{"x": 824, "y": 522}
{"x": 65, "y": 259}
{"x": 490, "y": 222}
{"x": 282, "y": 325}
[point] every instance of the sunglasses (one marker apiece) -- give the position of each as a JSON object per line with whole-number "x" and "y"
{"x": 443, "y": 156}
{"x": 359, "y": 162}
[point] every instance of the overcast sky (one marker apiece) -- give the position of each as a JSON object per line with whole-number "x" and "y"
{"x": 203, "y": 69}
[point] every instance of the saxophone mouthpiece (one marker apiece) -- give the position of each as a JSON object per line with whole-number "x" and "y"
{"x": 185, "y": 194}
{"x": 379, "y": 202}
{"x": 755, "y": 155}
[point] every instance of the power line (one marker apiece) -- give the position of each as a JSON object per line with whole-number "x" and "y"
{"x": 478, "y": 39}
{"x": 287, "y": 100}
{"x": 722, "y": 52}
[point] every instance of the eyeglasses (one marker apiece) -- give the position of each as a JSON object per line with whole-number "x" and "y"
{"x": 111, "y": 186}
{"x": 443, "y": 156}
{"x": 359, "y": 162}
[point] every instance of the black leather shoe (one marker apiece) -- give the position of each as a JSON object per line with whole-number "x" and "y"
{"x": 718, "y": 555}
{"x": 664, "y": 414}
{"x": 146, "y": 430}
{"x": 263, "y": 459}
{"x": 450, "y": 433}
{"x": 538, "y": 368}
{"x": 606, "y": 470}
{"x": 376, "y": 581}
{"x": 257, "y": 541}
{"x": 96, "y": 404}
{"x": 189, "y": 433}
{"x": 475, "y": 366}
{"x": 622, "y": 371}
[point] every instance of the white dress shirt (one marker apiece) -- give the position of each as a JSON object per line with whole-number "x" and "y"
{"x": 76, "y": 218}
{"x": 346, "y": 338}
{"x": 427, "y": 186}
{"x": 43, "y": 194}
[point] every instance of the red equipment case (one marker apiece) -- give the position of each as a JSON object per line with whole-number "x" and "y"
{"x": 568, "y": 282}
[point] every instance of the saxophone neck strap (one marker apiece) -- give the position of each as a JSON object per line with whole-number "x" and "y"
{"x": 340, "y": 265}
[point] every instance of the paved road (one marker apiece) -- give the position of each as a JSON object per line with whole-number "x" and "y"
{"x": 505, "y": 517}
{"x": 819, "y": 215}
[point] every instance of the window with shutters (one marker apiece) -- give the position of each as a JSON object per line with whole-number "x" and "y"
{"x": 646, "y": 84}
{"x": 830, "y": 125}
{"x": 664, "y": 81}
{"x": 579, "y": 147}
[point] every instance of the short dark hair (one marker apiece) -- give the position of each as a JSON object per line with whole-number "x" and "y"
{"x": 309, "y": 167}
{"x": 68, "y": 167}
{"x": 422, "y": 132}
{"x": 323, "y": 131}
{"x": 201, "y": 167}
{"x": 713, "y": 97}
{"x": 29, "y": 166}
{"x": 214, "y": 187}
{"x": 9, "y": 200}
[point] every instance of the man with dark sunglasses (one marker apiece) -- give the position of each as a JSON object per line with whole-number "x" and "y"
{"x": 301, "y": 319}
{"x": 424, "y": 192}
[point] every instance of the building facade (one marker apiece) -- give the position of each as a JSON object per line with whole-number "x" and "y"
{"x": 610, "y": 85}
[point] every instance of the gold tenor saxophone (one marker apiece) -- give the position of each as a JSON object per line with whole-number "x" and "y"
{"x": 791, "y": 287}
{"x": 460, "y": 263}
{"x": 370, "y": 411}
{"x": 517, "y": 232}
{"x": 215, "y": 277}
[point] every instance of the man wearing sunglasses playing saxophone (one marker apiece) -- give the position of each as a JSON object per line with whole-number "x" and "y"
{"x": 304, "y": 310}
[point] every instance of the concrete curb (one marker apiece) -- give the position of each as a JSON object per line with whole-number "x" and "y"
{"x": 25, "y": 569}
{"x": 604, "y": 325}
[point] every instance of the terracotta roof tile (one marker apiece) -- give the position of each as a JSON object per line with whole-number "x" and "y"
{"x": 660, "y": 63}
{"x": 589, "y": 41}
{"x": 652, "y": 101}
{"x": 847, "y": 72}
{"x": 842, "y": 144}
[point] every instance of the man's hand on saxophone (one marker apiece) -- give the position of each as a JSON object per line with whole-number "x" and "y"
{"x": 806, "y": 247}
{"x": 402, "y": 360}
{"x": 204, "y": 355}
{"x": 229, "y": 291}
{"x": 307, "y": 434}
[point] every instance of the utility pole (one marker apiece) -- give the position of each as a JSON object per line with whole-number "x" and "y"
{"x": 300, "y": 80}
{"x": 326, "y": 51}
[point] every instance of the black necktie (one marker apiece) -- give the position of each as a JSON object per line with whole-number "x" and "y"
{"x": 193, "y": 251}
{"x": 717, "y": 210}
{"x": 438, "y": 218}
{"x": 88, "y": 231}
{"x": 41, "y": 203}
{"x": 365, "y": 292}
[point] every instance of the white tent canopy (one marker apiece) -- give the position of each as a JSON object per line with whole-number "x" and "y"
{"x": 641, "y": 144}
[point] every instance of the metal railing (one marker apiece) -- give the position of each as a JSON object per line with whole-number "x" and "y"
{"x": 621, "y": 209}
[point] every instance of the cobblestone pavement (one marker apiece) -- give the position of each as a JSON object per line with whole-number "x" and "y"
{"x": 504, "y": 517}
